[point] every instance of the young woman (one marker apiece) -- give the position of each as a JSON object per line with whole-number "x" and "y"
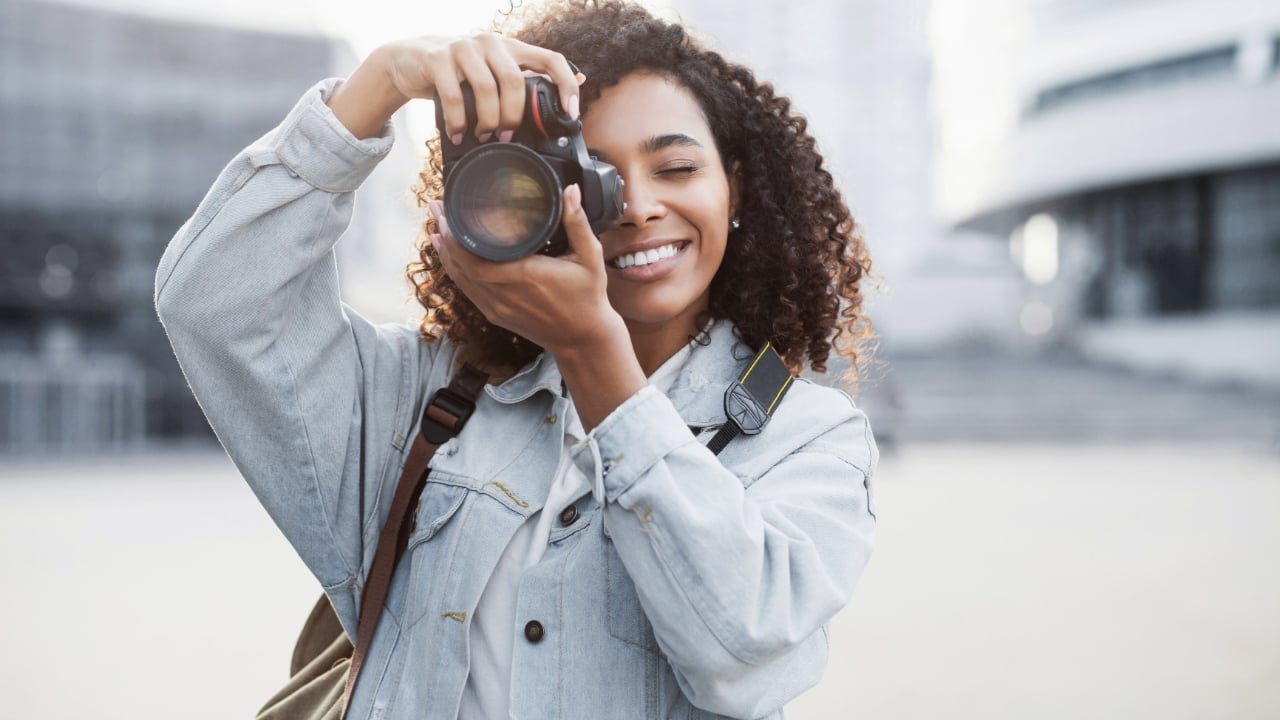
{"x": 578, "y": 551}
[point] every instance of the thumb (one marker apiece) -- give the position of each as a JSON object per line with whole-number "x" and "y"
{"x": 582, "y": 242}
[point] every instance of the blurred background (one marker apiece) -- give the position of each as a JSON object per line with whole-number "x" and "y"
{"x": 1074, "y": 206}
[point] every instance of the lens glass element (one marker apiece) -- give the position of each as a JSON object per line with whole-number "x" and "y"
{"x": 502, "y": 201}
{"x": 506, "y": 205}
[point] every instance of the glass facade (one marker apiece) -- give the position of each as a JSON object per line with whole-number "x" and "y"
{"x": 1186, "y": 245}
{"x": 114, "y": 126}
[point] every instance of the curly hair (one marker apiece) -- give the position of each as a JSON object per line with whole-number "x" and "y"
{"x": 791, "y": 272}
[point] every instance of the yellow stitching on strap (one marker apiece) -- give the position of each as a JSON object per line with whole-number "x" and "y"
{"x": 511, "y": 495}
{"x": 753, "y": 363}
{"x": 780, "y": 391}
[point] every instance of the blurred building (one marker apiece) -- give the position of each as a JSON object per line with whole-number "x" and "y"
{"x": 114, "y": 126}
{"x": 1129, "y": 154}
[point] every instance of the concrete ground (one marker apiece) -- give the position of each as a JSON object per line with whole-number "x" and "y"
{"x": 1009, "y": 581}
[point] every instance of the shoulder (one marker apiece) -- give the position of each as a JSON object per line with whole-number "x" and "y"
{"x": 811, "y": 418}
{"x": 836, "y": 423}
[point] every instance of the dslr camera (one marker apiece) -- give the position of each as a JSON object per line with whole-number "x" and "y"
{"x": 503, "y": 201}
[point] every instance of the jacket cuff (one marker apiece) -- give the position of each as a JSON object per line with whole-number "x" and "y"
{"x": 318, "y": 148}
{"x": 632, "y": 439}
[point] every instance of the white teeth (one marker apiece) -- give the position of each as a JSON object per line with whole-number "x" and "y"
{"x": 645, "y": 257}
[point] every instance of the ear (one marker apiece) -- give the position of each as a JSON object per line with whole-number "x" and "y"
{"x": 735, "y": 188}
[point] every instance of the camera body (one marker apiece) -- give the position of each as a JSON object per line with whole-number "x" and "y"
{"x": 503, "y": 201}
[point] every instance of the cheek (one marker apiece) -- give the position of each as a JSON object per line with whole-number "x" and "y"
{"x": 714, "y": 222}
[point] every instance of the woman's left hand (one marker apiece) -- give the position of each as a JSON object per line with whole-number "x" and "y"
{"x": 560, "y": 303}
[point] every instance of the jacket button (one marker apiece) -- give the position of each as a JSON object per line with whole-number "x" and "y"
{"x": 568, "y": 515}
{"x": 533, "y": 631}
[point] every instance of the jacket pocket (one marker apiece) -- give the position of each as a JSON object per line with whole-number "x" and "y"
{"x": 626, "y": 619}
{"x": 437, "y": 504}
{"x": 430, "y": 548}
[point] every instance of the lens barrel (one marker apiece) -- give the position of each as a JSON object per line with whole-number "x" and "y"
{"x": 503, "y": 201}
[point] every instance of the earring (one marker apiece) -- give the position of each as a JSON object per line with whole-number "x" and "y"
{"x": 735, "y": 223}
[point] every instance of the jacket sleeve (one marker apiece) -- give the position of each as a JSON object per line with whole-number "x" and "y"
{"x": 739, "y": 576}
{"x": 248, "y": 293}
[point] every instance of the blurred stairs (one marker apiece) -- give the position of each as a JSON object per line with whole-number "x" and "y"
{"x": 990, "y": 397}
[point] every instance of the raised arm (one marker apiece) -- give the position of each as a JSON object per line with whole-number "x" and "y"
{"x": 248, "y": 293}
{"x": 309, "y": 399}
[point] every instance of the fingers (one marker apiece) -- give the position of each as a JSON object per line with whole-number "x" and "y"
{"x": 555, "y": 66}
{"x": 474, "y": 68}
{"x": 452, "y": 257}
{"x": 443, "y": 241}
{"x": 448, "y": 95}
{"x": 510, "y": 82}
{"x": 492, "y": 65}
{"x": 582, "y": 242}
{"x": 462, "y": 265}
{"x": 496, "y": 83}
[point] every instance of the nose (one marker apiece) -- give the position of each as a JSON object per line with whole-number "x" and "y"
{"x": 640, "y": 204}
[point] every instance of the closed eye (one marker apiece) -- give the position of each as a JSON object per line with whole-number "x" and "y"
{"x": 679, "y": 170}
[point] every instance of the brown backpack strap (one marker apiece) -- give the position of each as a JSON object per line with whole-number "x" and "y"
{"x": 443, "y": 418}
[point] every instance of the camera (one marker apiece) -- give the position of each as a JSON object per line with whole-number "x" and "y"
{"x": 503, "y": 201}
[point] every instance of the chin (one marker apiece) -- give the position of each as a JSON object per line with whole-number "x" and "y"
{"x": 656, "y": 311}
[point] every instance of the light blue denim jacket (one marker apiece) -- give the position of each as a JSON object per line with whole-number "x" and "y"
{"x": 697, "y": 586}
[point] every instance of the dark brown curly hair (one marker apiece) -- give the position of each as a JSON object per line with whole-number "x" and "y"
{"x": 791, "y": 273}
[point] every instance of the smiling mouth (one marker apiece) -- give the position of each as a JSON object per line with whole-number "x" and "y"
{"x": 648, "y": 257}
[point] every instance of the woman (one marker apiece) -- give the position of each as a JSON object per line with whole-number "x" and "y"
{"x": 578, "y": 551}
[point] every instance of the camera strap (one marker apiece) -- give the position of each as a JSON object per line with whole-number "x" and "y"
{"x": 750, "y": 402}
{"x": 442, "y": 419}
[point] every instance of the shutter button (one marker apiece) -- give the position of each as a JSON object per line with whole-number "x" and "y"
{"x": 533, "y": 631}
{"x": 568, "y": 515}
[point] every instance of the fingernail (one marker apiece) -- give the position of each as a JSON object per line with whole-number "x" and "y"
{"x": 506, "y": 135}
{"x": 573, "y": 195}
{"x": 485, "y": 137}
{"x": 456, "y": 138}
{"x": 573, "y": 106}
{"x": 580, "y": 78}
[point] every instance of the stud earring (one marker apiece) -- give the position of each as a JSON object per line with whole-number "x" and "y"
{"x": 735, "y": 223}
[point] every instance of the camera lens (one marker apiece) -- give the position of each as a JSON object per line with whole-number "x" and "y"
{"x": 508, "y": 208}
{"x": 502, "y": 201}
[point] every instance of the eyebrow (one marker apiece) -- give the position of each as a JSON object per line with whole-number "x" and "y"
{"x": 656, "y": 143}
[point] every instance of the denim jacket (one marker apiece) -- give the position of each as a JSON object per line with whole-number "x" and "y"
{"x": 688, "y": 585}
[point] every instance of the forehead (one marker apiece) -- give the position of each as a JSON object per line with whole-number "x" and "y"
{"x": 642, "y": 106}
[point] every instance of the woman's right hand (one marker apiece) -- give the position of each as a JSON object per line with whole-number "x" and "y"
{"x": 435, "y": 68}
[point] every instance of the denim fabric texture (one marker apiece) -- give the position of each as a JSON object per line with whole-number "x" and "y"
{"x": 687, "y": 586}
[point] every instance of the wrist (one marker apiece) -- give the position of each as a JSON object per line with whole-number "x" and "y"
{"x": 608, "y": 334}
{"x": 368, "y": 98}
{"x": 601, "y": 374}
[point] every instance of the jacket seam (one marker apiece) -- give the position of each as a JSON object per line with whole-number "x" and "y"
{"x": 213, "y": 211}
{"x": 302, "y": 420}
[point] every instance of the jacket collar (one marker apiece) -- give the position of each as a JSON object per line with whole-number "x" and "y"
{"x": 697, "y": 393}
{"x": 541, "y": 374}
